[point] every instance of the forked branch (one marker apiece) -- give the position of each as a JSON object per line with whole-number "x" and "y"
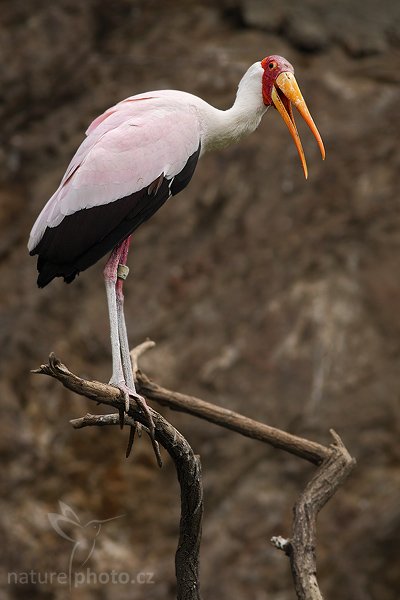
{"x": 301, "y": 548}
{"x": 334, "y": 463}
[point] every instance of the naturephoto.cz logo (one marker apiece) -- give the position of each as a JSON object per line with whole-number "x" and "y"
{"x": 82, "y": 537}
{"x": 79, "y": 578}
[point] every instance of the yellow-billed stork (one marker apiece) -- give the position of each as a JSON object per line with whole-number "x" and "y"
{"x": 135, "y": 156}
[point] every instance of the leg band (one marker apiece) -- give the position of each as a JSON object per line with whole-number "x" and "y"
{"x": 122, "y": 272}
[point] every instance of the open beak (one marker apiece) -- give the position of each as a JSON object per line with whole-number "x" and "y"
{"x": 284, "y": 93}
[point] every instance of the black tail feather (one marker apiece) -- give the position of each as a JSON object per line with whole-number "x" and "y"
{"x": 48, "y": 271}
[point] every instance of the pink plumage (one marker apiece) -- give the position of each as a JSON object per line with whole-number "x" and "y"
{"x": 126, "y": 149}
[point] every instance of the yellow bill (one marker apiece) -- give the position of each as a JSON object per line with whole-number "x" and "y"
{"x": 285, "y": 92}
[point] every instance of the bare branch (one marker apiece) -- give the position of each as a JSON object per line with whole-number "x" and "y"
{"x": 335, "y": 465}
{"x": 223, "y": 417}
{"x": 187, "y": 466}
{"x": 301, "y": 549}
{"x": 229, "y": 419}
{"x": 94, "y": 390}
{"x": 137, "y": 352}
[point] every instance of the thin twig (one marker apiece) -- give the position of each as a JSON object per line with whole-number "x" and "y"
{"x": 137, "y": 352}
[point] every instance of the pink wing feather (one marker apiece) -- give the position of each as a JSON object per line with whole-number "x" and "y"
{"x": 127, "y": 148}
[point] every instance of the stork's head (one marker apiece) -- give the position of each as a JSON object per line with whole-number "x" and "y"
{"x": 280, "y": 89}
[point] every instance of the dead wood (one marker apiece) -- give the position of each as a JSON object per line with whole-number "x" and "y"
{"x": 334, "y": 464}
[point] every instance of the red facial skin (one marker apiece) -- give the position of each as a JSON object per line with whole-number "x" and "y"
{"x": 273, "y": 66}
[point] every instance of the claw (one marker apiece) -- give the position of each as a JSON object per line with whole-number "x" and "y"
{"x": 121, "y": 418}
{"x": 131, "y": 439}
{"x": 126, "y": 391}
{"x": 142, "y": 404}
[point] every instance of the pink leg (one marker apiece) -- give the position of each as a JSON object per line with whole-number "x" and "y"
{"x": 122, "y": 376}
{"x": 122, "y": 331}
{"x": 119, "y": 376}
{"x": 110, "y": 278}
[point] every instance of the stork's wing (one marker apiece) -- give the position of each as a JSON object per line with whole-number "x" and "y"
{"x": 135, "y": 157}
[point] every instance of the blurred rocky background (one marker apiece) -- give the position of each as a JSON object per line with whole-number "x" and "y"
{"x": 266, "y": 294}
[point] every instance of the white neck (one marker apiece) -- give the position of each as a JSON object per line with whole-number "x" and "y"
{"x": 224, "y": 127}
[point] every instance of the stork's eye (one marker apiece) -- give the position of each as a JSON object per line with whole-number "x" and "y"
{"x": 272, "y": 65}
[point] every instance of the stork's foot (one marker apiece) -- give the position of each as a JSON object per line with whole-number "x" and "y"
{"x": 126, "y": 391}
{"x": 142, "y": 404}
